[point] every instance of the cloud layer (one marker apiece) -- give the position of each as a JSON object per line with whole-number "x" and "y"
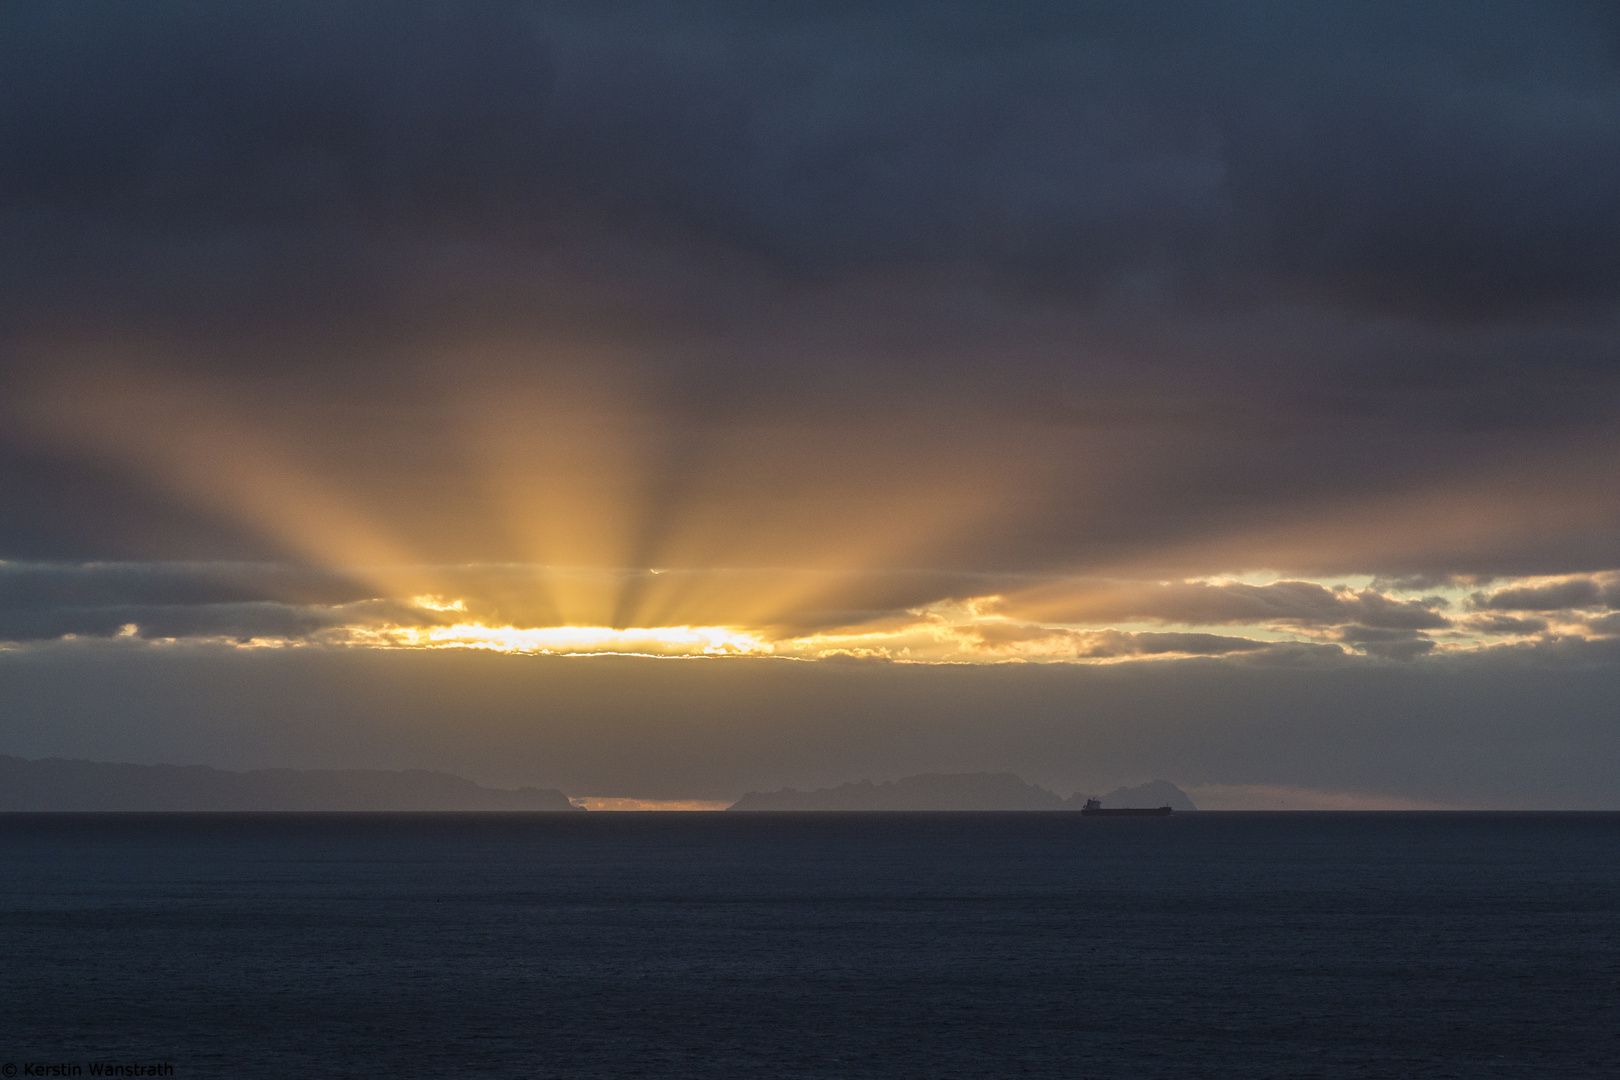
{"x": 806, "y": 615}
{"x": 1216, "y": 287}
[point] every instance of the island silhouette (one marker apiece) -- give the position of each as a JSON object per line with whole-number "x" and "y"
{"x": 956, "y": 791}
{"x": 65, "y": 784}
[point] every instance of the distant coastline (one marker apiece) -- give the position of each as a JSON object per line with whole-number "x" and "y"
{"x": 76, "y": 785}
{"x": 62, "y": 784}
{"x": 956, "y": 791}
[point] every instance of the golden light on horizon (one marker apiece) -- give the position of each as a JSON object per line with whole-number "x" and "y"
{"x": 614, "y": 803}
{"x": 573, "y": 640}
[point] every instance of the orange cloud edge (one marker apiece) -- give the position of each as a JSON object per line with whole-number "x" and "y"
{"x": 1043, "y": 620}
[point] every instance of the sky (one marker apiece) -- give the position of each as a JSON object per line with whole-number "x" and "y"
{"x": 664, "y": 401}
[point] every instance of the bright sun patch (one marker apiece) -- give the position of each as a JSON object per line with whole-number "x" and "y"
{"x": 438, "y": 603}
{"x": 553, "y": 640}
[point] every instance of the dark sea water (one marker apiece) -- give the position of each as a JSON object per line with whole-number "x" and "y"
{"x": 807, "y": 945}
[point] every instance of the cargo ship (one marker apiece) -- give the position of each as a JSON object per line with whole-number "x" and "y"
{"x": 1094, "y": 807}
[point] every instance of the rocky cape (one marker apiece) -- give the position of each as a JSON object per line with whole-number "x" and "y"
{"x": 955, "y": 791}
{"x": 63, "y": 784}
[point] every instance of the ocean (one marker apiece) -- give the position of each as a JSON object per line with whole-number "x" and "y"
{"x": 1031, "y": 945}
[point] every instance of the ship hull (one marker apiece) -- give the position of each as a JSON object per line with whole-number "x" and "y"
{"x": 1157, "y": 811}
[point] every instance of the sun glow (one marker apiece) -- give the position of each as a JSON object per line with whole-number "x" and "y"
{"x": 563, "y": 515}
{"x": 553, "y": 640}
{"x": 438, "y": 603}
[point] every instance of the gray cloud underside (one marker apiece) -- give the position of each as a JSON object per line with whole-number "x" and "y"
{"x": 240, "y": 622}
{"x": 1577, "y": 592}
{"x": 1300, "y": 603}
{"x": 1406, "y": 155}
{"x": 1107, "y": 644}
{"x": 1243, "y": 259}
{"x": 173, "y": 600}
{"x": 1502, "y": 624}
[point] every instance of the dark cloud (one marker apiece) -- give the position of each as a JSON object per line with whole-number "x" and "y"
{"x": 237, "y": 622}
{"x": 1214, "y": 266}
{"x": 1374, "y": 609}
{"x": 1294, "y": 654}
{"x": 43, "y": 601}
{"x": 1107, "y": 644}
{"x": 1296, "y": 603}
{"x": 1402, "y": 155}
{"x": 1506, "y": 624}
{"x": 1605, "y": 624}
{"x": 1411, "y": 583}
{"x": 1401, "y": 649}
{"x": 1390, "y": 643}
{"x": 1577, "y": 592}
{"x": 1153, "y": 644}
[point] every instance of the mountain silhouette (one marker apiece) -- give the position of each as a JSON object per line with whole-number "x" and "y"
{"x": 63, "y": 784}
{"x": 930, "y": 791}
